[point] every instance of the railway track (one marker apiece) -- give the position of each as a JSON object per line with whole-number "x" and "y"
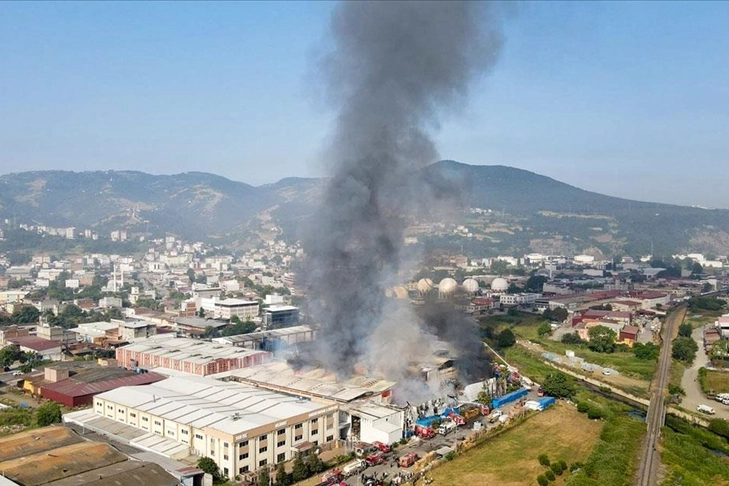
{"x": 650, "y": 459}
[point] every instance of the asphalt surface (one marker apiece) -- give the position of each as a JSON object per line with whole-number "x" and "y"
{"x": 650, "y": 460}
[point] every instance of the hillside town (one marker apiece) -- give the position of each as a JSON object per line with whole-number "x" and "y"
{"x": 184, "y": 351}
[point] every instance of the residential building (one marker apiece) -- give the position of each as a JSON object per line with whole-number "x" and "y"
{"x": 245, "y": 310}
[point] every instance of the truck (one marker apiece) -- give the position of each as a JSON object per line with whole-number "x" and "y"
{"x": 447, "y": 427}
{"x": 381, "y": 446}
{"x": 375, "y": 458}
{"x": 470, "y": 412}
{"x": 424, "y": 432}
{"x": 333, "y": 476}
{"x": 354, "y": 467}
{"x": 407, "y": 460}
{"x": 706, "y": 409}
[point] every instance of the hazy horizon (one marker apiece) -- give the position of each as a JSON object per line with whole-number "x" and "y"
{"x": 623, "y": 99}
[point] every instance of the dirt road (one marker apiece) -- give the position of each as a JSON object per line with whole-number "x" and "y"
{"x": 690, "y": 383}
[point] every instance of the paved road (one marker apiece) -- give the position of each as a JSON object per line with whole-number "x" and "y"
{"x": 690, "y": 383}
{"x": 651, "y": 460}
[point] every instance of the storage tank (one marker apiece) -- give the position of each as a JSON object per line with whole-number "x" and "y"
{"x": 499, "y": 285}
{"x": 470, "y": 285}
{"x": 447, "y": 287}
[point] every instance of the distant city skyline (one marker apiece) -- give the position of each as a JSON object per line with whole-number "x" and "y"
{"x": 624, "y": 99}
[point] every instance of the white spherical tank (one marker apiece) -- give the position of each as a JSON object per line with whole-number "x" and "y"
{"x": 499, "y": 285}
{"x": 470, "y": 285}
{"x": 400, "y": 292}
{"x": 425, "y": 285}
{"x": 447, "y": 287}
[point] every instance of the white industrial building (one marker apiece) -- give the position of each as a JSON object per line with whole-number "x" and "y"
{"x": 240, "y": 427}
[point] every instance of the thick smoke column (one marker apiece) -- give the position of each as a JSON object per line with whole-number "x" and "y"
{"x": 394, "y": 69}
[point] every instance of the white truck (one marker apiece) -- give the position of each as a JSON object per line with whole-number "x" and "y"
{"x": 446, "y": 427}
{"x": 706, "y": 409}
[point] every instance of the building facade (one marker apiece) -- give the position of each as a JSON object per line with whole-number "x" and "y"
{"x": 242, "y": 428}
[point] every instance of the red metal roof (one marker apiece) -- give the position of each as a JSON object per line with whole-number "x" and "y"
{"x": 35, "y": 343}
{"x": 73, "y": 388}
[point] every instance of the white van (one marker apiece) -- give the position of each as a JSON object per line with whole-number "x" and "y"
{"x": 706, "y": 409}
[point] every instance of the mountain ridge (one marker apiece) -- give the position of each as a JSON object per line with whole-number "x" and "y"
{"x": 202, "y": 205}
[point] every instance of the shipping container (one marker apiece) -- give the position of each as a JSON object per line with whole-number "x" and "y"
{"x": 546, "y": 401}
{"x": 510, "y": 397}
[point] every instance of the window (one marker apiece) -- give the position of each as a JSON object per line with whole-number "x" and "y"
{"x": 281, "y": 443}
{"x": 225, "y": 471}
{"x": 243, "y": 470}
{"x": 184, "y": 432}
{"x": 281, "y": 457}
{"x": 157, "y": 422}
{"x": 243, "y": 444}
{"x": 262, "y": 462}
{"x": 132, "y": 415}
{"x": 314, "y": 431}
{"x": 225, "y": 457}
{"x": 298, "y": 426}
{"x": 330, "y": 425}
{"x": 262, "y": 438}
{"x": 110, "y": 407}
{"x": 145, "y": 419}
{"x": 243, "y": 456}
{"x": 120, "y": 410}
{"x": 263, "y": 449}
{"x": 198, "y": 436}
{"x": 314, "y": 421}
{"x": 281, "y": 432}
{"x": 330, "y": 416}
{"x": 225, "y": 445}
{"x": 298, "y": 437}
{"x": 330, "y": 438}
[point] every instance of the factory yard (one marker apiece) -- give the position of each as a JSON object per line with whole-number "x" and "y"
{"x": 511, "y": 458}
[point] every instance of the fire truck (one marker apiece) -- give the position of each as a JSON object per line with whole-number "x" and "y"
{"x": 407, "y": 460}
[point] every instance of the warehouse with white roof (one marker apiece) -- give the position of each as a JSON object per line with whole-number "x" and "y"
{"x": 241, "y": 427}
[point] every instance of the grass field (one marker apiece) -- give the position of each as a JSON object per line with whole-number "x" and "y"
{"x": 718, "y": 381}
{"x": 686, "y": 453}
{"x": 511, "y": 458}
{"x": 525, "y": 326}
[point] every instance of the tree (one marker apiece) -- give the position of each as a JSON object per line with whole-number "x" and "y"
{"x": 26, "y": 314}
{"x": 685, "y": 330}
{"x": 209, "y": 466}
{"x": 209, "y": 332}
{"x": 483, "y": 397}
{"x": 282, "y": 477}
{"x": 47, "y": 414}
{"x": 559, "y": 314}
{"x": 239, "y": 328}
{"x": 697, "y": 269}
{"x": 544, "y": 329}
{"x": 300, "y": 472}
{"x": 190, "y": 274}
{"x": 264, "y": 476}
{"x": 201, "y": 312}
{"x": 9, "y": 355}
{"x": 314, "y": 464}
{"x": 558, "y": 385}
{"x": 684, "y": 349}
{"x": 647, "y": 351}
{"x": 602, "y": 339}
{"x": 506, "y": 338}
{"x": 535, "y": 283}
{"x": 571, "y": 338}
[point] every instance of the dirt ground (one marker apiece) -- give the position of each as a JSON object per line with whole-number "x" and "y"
{"x": 511, "y": 459}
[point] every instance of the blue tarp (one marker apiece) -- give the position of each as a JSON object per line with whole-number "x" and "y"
{"x": 428, "y": 421}
{"x": 509, "y": 397}
{"x": 448, "y": 411}
{"x": 546, "y": 401}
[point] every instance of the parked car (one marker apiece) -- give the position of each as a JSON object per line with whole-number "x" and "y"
{"x": 706, "y": 409}
{"x": 17, "y": 373}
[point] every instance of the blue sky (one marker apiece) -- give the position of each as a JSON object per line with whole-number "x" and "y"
{"x": 627, "y": 99}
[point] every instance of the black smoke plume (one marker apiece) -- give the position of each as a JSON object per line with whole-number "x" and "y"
{"x": 395, "y": 68}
